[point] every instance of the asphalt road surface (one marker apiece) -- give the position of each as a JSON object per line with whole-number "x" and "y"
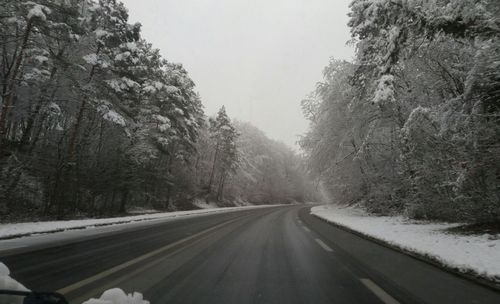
{"x": 268, "y": 255}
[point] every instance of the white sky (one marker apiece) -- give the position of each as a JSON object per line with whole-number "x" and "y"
{"x": 259, "y": 58}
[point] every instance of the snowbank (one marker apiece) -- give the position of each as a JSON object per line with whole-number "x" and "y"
{"x": 111, "y": 296}
{"x": 202, "y": 204}
{"x": 477, "y": 254}
{"x": 26, "y": 229}
{"x": 118, "y": 296}
{"x": 6, "y": 282}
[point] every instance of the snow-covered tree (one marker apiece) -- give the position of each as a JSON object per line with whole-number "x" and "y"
{"x": 225, "y": 155}
{"x": 88, "y": 107}
{"x": 417, "y": 111}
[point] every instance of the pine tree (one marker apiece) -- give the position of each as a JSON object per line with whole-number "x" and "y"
{"x": 225, "y": 159}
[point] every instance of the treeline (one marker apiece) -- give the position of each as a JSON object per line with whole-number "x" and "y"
{"x": 242, "y": 165}
{"x": 93, "y": 120}
{"x": 412, "y": 126}
{"x": 269, "y": 171}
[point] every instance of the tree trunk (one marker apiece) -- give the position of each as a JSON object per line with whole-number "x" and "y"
{"x": 34, "y": 114}
{"x": 123, "y": 201}
{"x": 9, "y": 94}
{"x": 76, "y": 130}
{"x": 79, "y": 118}
{"x": 168, "y": 199}
{"x": 220, "y": 190}
{"x": 212, "y": 173}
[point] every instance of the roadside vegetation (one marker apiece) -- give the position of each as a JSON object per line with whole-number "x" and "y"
{"x": 411, "y": 126}
{"x": 93, "y": 121}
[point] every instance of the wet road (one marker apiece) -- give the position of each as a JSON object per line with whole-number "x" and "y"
{"x": 268, "y": 255}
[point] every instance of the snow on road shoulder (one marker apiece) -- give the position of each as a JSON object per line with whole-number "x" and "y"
{"x": 25, "y": 229}
{"x": 202, "y": 204}
{"x": 479, "y": 254}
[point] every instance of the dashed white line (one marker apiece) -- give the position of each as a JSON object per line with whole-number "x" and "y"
{"x": 379, "y": 292}
{"x": 323, "y": 245}
{"x": 306, "y": 229}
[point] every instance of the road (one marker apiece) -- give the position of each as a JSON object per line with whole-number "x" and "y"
{"x": 268, "y": 255}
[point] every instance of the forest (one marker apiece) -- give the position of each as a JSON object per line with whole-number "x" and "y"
{"x": 411, "y": 125}
{"x": 94, "y": 121}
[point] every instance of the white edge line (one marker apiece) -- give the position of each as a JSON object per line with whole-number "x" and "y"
{"x": 323, "y": 245}
{"x": 379, "y": 292}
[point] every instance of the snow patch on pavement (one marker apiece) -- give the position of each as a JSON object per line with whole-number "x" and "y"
{"x": 479, "y": 254}
{"x": 26, "y": 229}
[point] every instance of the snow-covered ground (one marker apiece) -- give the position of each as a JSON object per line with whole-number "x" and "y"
{"x": 25, "y": 229}
{"x": 479, "y": 254}
{"x": 202, "y": 204}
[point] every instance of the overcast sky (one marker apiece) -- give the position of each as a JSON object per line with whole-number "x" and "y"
{"x": 259, "y": 58}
